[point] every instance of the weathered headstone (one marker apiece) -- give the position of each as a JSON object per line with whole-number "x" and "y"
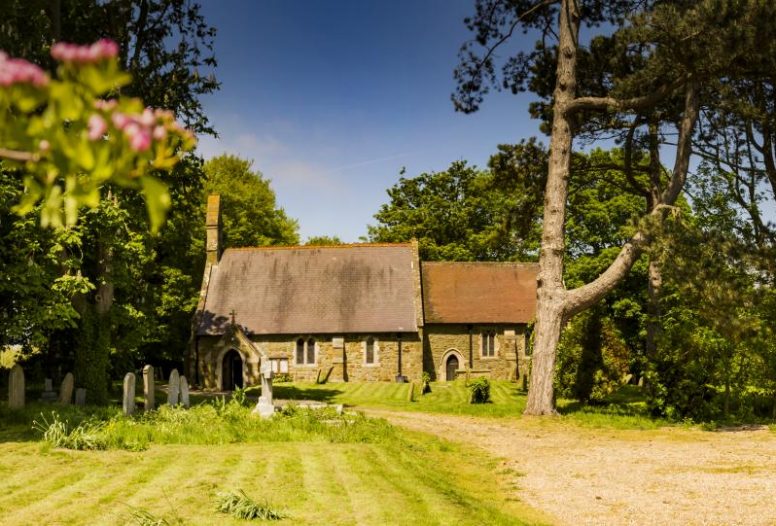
{"x": 265, "y": 408}
{"x": 16, "y": 387}
{"x": 173, "y": 388}
{"x": 185, "y": 392}
{"x": 80, "y": 397}
{"x": 66, "y": 390}
{"x": 128, "y": 402}
{"x": 148, "y": 387}
{"x": 49, "y": 395}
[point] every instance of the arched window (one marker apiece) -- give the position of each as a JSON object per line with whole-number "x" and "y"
{"x": 489, "y": 343}
{"x": 369, "y": 351}
{"x": 311, "y": 351}
{"x": 300, "y": 351}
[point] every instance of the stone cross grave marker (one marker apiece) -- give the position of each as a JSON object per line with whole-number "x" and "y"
{"x": 66, "y": 390}
{"x": 173, "y": 388}
{"x": 16, "y": 387}
{"x": 265, "y": 408}
{"x": 128, "y": 404}
{"x": 148, "y": 387}
{"x": 185, "y": 392}
{"x": 80, "y": 397}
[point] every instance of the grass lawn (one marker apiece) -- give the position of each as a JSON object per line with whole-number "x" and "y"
{"x": 626, "y": 409}
{"x": 315, "y": 477}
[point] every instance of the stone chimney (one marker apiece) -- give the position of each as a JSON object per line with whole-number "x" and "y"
{"x": 213, "y": 226}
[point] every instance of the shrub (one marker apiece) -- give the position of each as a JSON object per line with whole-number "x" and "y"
{"x": 237, "y": 504}
{"x": 59, "y": 433}
{"x": 479, "y": 390}
{"x": 425, "y": 385}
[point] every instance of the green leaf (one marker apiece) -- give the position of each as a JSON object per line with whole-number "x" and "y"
{"x": 157, "y": 201}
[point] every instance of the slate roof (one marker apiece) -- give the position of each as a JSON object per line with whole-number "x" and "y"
{"x": 360, "y": 288}
{"x": 456, "y": 292}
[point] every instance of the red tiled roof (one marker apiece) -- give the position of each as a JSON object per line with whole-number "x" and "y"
{"x": 455, "y": 292}
{"x": 359, "y": 288}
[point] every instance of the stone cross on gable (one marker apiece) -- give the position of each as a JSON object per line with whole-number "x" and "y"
{"x": 232, "y": 314}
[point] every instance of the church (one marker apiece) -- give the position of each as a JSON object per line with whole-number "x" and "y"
{"x": 357, "y": 312}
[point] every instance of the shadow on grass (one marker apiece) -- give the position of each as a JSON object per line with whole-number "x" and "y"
{"x": 291, "y": 392}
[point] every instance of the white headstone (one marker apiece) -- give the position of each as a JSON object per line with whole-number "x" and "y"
{"x": 16, "y": 387}
{"x": 173, "y": 388}
{"x": 148, "y": 387}
{"x": 128, "y": 402}
{"x": 185, "y": 392}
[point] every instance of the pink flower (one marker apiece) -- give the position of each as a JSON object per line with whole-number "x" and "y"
{"x": 147, "y": 119}
{"x": 160, "y": 133}
{"x": 44, "y": 145}
{"x": 18, "y": 71}
{"x": 140, "y": 141}
{"x": 120, "y": 120}
{"x": 97, "y": 127}
{"x": 103, "y": 49}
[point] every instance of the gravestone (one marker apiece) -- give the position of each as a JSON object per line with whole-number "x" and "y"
{"x": 265, "y": 408}
{"x": 16, "y": 387}
{"x": 80, "y": 397}
{"x": 173, "y": 388}
{"x": 148, "y": 387}
{"x": 66, "y": 390}
{"x": 185, "y": 392}
{"x": 128, "y": 404}
{"x": 49, "y": 395}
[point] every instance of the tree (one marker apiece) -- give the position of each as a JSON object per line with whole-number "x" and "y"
{"x": 464, "y": 214}
{"x": 323, "y": 240}
{"x": 144, "y": 286}
{"x": 649, "y": 70}
{"x": 249, "y": 210}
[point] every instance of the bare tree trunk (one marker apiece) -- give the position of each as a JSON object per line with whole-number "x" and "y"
{"x": 550, "y": 289}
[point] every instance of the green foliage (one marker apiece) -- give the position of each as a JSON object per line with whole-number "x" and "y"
{"x": 249, "y": 211}
{"x": 479, "y": 391}
{"x": 425, "y": 383}
{"x": 323, "y": 240}
{"x": 238, "y": 504}
{"x": 91, "y": 356}
{"x": 592, "y": 358}
{"x": 60, "y": 433}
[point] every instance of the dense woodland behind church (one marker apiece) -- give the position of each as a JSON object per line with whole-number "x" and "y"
{"x": 107, "y": 296}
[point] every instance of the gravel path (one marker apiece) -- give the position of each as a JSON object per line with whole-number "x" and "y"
{"x": 600, "y": 476}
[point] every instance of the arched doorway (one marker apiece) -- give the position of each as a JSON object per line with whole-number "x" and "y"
{"x": 451, "y": 367}
{"x": 232, "y": 371}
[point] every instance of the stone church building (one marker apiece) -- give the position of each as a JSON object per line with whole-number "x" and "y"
{"x": 358, "y": 312}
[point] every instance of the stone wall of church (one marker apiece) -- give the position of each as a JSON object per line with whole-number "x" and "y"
{"x": 509, "y": 361}
{"x": 337, "y": 358}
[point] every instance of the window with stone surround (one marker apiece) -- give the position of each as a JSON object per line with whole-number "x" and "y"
{"x": 488, "y": 344}
{"x": 370, "y": 351}
{"x": 305, "y": 351}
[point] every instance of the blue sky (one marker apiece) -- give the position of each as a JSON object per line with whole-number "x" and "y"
{"x": 331, "y": 99}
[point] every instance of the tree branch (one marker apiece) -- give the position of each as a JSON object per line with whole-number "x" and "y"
{"x": 15, "y": 155}
{"x": 612, "y": 103}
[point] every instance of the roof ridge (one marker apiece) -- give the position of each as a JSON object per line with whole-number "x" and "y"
{"x": 511, "y": 263}
{"x": 311, "y": 247}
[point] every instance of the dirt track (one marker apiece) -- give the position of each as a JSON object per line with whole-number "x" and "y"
{"x": 594, "y": 476}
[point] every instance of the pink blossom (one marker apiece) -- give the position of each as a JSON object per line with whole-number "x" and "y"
{"x": 103, "y": 49}
{"x": 18, "y": 71}
{"x": 147, "y": 119}
{"x": 160, "y": 133}
{"x": 97, "y": 127}
{"x": 120, "y": 120}
{"x": 140, "y": 141}
{"x": 44, "y": 145}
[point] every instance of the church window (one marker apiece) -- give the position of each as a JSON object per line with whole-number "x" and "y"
{"x": 311, "y": 351}
{"x": 305, "y": 351}
{"x": 370, "y": 351}
{"x": 300, "y": 351}
{"x": 489, "y": 343}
